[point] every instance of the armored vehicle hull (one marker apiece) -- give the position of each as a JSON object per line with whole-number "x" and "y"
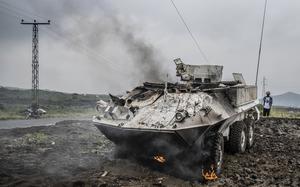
{"x": 164, "y": 121}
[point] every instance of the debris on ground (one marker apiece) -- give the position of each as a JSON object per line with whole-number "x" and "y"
{"x": 104, "y": 173}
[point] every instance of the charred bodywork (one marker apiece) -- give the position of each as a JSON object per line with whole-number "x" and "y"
{"x": 171, "y": 118}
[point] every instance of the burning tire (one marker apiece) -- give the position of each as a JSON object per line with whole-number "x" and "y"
{"x": 238, "y": 137}
{"x": 216, "y": 150}
{"x": 250, "y": 132}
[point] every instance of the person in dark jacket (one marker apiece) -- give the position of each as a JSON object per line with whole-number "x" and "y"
{"x": 267, "y": 104}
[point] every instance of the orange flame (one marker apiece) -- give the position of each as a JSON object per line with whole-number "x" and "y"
{"x": 210, "y": 174}
{"x": 159, "y": 158}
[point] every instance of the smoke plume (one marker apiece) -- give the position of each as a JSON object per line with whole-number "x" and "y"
{"x": 145, "y": 57}
{"x": 102, "y": 32}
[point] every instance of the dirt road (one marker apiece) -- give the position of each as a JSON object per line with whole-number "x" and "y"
{"x": 9, "y": 124}
{"x": 75, "y": 153}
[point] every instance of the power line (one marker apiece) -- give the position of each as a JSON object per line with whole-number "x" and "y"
{"x": 18, "y": 11}
{"x": 12, "y": 12}
{"x": 83, "y": 49}
{"x": 190, "y": 32}
{"x": 89, "y": 52}
{"x": 260, "y": 43}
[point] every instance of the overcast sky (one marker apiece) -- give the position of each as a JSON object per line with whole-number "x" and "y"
{"x": 99, "y": 46}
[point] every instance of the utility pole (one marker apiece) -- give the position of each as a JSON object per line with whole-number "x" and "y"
{"x": 264, "y": 84}
{"x": 35, "y": 65}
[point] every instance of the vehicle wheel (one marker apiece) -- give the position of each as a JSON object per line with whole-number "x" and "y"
{"x": 238, "y": 137}
{"x": 250, "y": 132}
{"x": 216, "y": 149}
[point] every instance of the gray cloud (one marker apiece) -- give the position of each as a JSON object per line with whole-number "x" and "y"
{"x": 84, "y": 51}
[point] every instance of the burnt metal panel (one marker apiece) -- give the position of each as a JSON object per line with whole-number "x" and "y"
{"x": 242, "y": 95}
{"x": 192, "y": 134}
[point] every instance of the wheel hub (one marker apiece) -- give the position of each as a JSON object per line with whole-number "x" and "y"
{"x": 243, "y": 140}
{"x": 251, "y": 133}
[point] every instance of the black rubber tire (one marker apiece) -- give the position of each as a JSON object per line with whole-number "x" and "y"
{"x": 250, "y": 132}
{"x": 237, "y": 137}
{"x": 216, "y": 150}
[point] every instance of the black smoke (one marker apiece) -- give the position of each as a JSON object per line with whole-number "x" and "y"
{"x": 146, "y": 58}
{"x": 96, "y": 30}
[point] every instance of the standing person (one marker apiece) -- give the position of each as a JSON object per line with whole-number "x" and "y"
{"x": 267, "y": 103}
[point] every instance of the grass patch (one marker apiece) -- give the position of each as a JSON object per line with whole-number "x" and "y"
{"x": 283, "y": 112}
{"x": 36, "y": 138}
{"x": 51, "y": 113}
{"x": 13, "y": 103}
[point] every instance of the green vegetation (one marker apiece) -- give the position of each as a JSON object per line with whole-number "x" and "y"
{"x": 283, "y": 112}
{"x": 35, "y": 138}
{"x": 13, "y": 103}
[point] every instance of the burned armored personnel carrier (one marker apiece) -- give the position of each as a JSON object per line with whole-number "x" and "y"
{"x": 187, "y": 122}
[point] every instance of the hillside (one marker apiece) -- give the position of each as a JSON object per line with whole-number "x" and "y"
{"x": 288, "y": 99}
{"x": 13, "y": 101}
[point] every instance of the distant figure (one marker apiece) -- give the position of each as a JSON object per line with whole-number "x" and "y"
{"x": 267, "y": 103}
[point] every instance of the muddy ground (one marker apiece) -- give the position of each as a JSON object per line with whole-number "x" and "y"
{"x": 75, "y": 153}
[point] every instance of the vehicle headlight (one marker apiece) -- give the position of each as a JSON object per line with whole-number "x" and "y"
{"x": 179, "y": 116}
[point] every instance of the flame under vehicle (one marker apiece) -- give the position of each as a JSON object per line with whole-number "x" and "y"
{"x": 189, "y": 120}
